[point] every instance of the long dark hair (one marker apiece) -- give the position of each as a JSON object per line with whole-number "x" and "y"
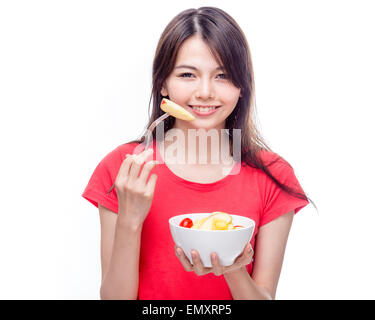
{"x": 228, "y": 44}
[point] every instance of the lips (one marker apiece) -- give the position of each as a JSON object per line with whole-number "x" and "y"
{"x": 204, "y": 110}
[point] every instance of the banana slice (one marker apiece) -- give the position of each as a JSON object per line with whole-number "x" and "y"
{"x": 175, "y": 110}
{"x": 220, "y": 224}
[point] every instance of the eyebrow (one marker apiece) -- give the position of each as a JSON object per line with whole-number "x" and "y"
{"x": 194, "y": 68}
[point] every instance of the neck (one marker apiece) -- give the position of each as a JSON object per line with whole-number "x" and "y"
{"x": 197, "y": 146}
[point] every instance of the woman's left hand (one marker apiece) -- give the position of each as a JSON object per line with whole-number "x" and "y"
{"x": 242, "y": 260}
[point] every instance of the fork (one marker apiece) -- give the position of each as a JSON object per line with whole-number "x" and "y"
{"x": 148, "y": 136}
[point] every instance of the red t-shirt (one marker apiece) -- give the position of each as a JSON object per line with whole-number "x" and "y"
{"x": 250, "y": 193}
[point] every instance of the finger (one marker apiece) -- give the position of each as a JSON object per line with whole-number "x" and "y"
{"x": 249, "y": 252}
{"x": 183, "y": 259}
{"x": 123, "y": 172}
{"x": 245, "y": 257}
{"x": 143, "y": 156}
{"x": 150, "y": 186}
{"x": 138, "y": 161}
{"x": 242, "y": 260}
{"x": 148, "y": 153}
{"x": 198, "y": 266}
{"x": 216, "y": 266}
{"x": 148, "y": 166}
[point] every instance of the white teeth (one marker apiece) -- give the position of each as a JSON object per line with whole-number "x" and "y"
{"x": 204, "y": 109}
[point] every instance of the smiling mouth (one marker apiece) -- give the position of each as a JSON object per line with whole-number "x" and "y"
{"x": 204, "y": 109}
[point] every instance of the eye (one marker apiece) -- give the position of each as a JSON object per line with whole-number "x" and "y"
{"x": 224, "y": 76}
{"x": 186, "y": 75}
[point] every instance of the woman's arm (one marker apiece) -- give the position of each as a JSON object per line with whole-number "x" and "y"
{"x": 120, "y": 248}
{"x": 269, "y": 254}
{"x": 121, "y": 234}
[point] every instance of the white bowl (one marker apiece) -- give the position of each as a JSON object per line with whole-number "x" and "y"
{"x": 228, "y": 244}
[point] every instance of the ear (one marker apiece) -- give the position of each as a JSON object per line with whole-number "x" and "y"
{"x": 164, "y": 92}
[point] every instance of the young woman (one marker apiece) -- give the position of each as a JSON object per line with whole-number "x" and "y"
{"x": 202, "y": 61}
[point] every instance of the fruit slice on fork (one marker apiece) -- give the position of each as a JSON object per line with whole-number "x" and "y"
{"x": 175, "y": 110}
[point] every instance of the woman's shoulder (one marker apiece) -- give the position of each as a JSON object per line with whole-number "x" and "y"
{"x": 271, "y": 158}
{"x": 275, "y": 164}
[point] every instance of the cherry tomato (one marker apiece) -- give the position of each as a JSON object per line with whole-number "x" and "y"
{"x": 187, "y": 223}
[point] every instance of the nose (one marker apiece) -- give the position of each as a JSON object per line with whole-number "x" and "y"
{"x": 205, "y": 89}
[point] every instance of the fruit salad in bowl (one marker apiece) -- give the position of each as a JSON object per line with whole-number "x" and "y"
{"x": 215, "y": 221}
{"x": 220, "y": 232}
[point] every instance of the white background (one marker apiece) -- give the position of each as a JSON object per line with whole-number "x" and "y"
{"x": 75, "y": 81}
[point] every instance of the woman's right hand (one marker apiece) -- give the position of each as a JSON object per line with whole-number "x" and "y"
{"x": 135, "y": 193}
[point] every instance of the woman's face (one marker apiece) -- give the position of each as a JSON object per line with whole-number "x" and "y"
{"x": 197, "y": 80}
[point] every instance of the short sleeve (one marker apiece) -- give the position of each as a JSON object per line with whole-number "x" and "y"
{"x": 102, "y": 179}
{"x": 277, "y": 201}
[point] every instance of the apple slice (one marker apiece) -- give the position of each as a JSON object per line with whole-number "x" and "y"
{"x": 196, "y": 221}
{"x": 208, "y": 224}
{"x": 222, "y": 216}
{"x": 196, "y": 224}
{"x": 175, "y": 110}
